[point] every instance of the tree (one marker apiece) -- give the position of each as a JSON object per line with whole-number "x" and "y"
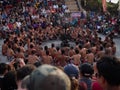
{"x": 96, "y": 5}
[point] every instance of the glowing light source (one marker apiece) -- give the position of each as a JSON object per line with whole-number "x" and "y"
{"x": 112, "y": 1}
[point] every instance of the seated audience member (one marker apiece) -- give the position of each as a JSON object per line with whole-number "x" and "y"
{"x": 47, "y": 77}
{"x": 3, "y": 71}
{"x": 86, "y": 71}
{"x": 71, "y": 70}
{"x": 23, "y": 72}
{"x": 108, "y": 73}
{"x": 9, "y": 81}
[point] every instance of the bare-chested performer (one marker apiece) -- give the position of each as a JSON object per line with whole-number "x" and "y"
{"x": 32, "y": 58}
{"x": 83, "y": 53}
{"x": 87, "y": 44}
{"x": 47, "y": 59}
{"x": 10, "y": 53}
{"x": 29, "y": 50}
{"x": 71, "y": 51}
{"x": 52, "y": 50}
{"x": 90, "y": 57}
{"x": 19, "y": 54}
{"x": 113, "y": 48}
{"x": 94, "y": 48}
{"x": 41, "y": 52}
{"x": 22, "y": 49}
{"x": 57, "y": 53}
{"x": 99, "y": 53}
{"x": 76, "y": 58}
{"x": 5, "y": 47}
{"x": 62, "y": 59}
{"x": 108, "y": 51}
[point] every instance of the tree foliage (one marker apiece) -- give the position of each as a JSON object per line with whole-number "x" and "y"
{"x": 96, "y": 5}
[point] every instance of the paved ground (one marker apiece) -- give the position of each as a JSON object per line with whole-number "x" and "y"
{"x": 58, "y": 42}
{"x": 117, "y": 41}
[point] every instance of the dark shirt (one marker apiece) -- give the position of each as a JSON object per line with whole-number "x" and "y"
{"x": 1, "y": 82}
{"x": 88, "y": 82}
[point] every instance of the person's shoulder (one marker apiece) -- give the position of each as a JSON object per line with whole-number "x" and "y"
{"x": 82, "y": 85}
{"x": 96, "y": 86}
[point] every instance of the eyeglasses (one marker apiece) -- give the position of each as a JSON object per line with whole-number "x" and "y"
{"x": 97, "y": 75}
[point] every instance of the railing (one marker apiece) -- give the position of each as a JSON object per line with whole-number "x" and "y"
{"x": 79, "y": 4}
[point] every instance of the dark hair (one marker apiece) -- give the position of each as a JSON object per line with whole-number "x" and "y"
{"x": 101, "y": 48}
{"x": 57, "y": 48}
{"x": 5, "y": 41}
{"x": 18, "y": 49}
{"x": 37, "y": 64}
{"x": 109, "y": 68}
{"x": 3, "y": 68}
{"x": 20, "y": 44}
{"x": 71, "y": 47}
{"x": 31, "y": 46}
{"x": 24, "y": 71}
{"x": 45, "y": 48}
{"x": 33, "y": 52}
{"x": 63, "y": 51}
{"x": 9, "y": 81}
{"x": 80, "y": 46}
{"x": 76, "y": 51}
{"x": 86, "y": 70}
{"x": 52, "y": 45}
{"x": 89, "y": 51}
{"x": 47, "y": 52}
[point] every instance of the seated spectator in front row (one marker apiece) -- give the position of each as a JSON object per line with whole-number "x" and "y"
{"x": 9, "y": 81}
{"x": 86, "y": 72}
{"x": 23, "y": 72}
{"x": 108, "y": 73}
{"x": 3, "y": 70}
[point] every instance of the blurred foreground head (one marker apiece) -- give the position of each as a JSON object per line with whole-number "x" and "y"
{"x": 47, "y": 77}
{"x": 108, "y": 72}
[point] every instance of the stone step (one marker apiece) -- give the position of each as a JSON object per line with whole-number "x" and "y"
{"x": 72, "y": 5}
{"x": 73, "y": 2}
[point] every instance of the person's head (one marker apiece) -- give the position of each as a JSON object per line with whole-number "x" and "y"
{"x": 71, "y": 70}
{"x": 71, "y": 47}
{"x": 57, "y": 48}
{"x": 33, "y": 52}
{"x": 37, "y": 64}
{"x": 31, "y": 45}
{"x": 3, "y": 68}
{"x": 76, "y": 51}
{"x": 9, "y": 81}
{"x": 45, "y": 48}
{"x": 108, "y": 71}
{"x": 63, "y": 51}
{"x": 47, "y": 77}
{"x": 52, "y": 45}
{"x": 86, "y": 70}
{"x": 24, "y": 71}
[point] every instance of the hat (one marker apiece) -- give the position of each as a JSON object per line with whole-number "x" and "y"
{"x": 71, "y": 70}
{"x": 86, "y": 69}
{"x": 47, "y": 77}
